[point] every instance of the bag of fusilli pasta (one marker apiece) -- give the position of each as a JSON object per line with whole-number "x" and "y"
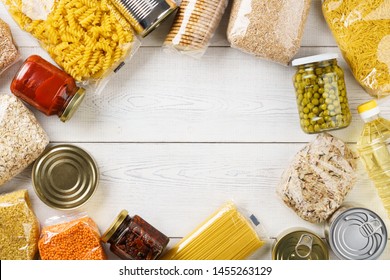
{"x": 89, "y": 39}
{"x": 362, "y": 31}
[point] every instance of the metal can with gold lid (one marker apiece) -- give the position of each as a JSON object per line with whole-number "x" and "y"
{"x": 356, "y": 233}
{"x": 299, "y": 244}
{"x": 65, "y": 177}
{"x": 145, "y": 15}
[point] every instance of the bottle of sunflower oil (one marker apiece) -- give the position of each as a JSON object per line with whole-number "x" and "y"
{"x": 374, "y": 149}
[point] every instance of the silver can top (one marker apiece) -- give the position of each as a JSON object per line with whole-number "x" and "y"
{"x": 357, "y": 234}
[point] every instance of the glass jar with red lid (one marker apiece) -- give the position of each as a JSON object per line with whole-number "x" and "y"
{"x": 132, "y": 238}
{"x": 47, "y": 88}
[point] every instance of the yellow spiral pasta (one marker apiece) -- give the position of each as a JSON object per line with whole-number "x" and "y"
{"x": 226, "y": 235}
{"x": 87, "y": 38}
{"x": 362, "y": 31}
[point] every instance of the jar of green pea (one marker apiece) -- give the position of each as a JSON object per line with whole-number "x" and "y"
{"x": 321, "y": 93}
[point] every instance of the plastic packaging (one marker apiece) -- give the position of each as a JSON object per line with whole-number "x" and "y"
{"x": 9, "y": 53}
{"x": 318, "y": 178}
{"x": 225, "y": 235}
{"x": 374, "y": 149}
{"x": 19, "y": 227}
{"x": 321, "y": 93}
{"x": 362, "y": 31}
{"x": 90, "y": 40}
{"x": 195, "y": 24}
{"x": 22, "y": 138}
{"x": 269, "y": 29}
{"x": 72, "y": 237}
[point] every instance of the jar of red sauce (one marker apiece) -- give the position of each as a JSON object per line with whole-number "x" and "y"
{"x": 47, "y": 88}
{"x": 132, "y": 238}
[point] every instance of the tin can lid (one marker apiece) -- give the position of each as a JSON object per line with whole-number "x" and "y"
{"x": 358, "y": 234}
{"x": 300, "y": 244}
{"x": 114, "y": 226}
{"x": 65, "y": 177}
{"x": 73, "y": 105}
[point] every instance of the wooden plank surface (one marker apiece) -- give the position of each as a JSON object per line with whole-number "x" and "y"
{"x": 175, "y": 137}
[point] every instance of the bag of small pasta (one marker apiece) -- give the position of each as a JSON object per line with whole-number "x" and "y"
{"x": 89, "y": 39}
{"x": 362, "y": 31}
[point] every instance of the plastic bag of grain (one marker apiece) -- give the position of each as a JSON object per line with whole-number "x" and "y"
{"x": 9, "y": 53}
{"x": 362, "y": 31}
{"x": 22, "y": 139}
{"x": 269, "y": 29}
{"x": 318, "y": 179}
{"x": 19, "y": 227}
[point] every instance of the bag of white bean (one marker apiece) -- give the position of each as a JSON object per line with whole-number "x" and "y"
{"x": 269, "y": 29}
{"x": 22, "y": 139}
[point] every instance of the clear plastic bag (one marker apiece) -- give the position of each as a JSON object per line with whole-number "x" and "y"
{"x": 89, "y": 39}
{"x": 318, "y": 178}
{"x": 22, "y": 138}
{"x": 9, "y": 53}
{"x": 225, "y": 235}
{"x": 71, "y": 237}
{"x": 19, "y": 227}
{"x": 362, "y": 31}
{"x": 269, "y": 29}
{"x": 194, "y": 26}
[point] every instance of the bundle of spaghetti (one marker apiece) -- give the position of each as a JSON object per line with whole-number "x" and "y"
{"x": 225, "y": 235}
{"x": 87, "y": 38}
{"x": 362, "y": 31}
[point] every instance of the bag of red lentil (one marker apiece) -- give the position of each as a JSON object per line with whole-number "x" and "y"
{"x": 71, "y": 237}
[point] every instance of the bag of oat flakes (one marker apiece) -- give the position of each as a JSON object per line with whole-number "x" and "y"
{"x": 9, "y": 53}
{"x": 269, "y": 29}
{"x": 318, "y": 179}
{"x": 22, "y": 139}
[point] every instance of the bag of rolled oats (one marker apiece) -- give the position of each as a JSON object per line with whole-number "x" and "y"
{"x": 22, "y": 139}
{"x": 318, "y": 179}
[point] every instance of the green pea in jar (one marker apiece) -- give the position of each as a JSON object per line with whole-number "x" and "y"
{"x": 321, "y": 93}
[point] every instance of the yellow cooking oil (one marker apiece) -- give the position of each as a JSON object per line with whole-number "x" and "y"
{"x": 374, "y": 149}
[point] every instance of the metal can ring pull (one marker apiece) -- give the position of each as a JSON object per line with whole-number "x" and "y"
{"x": 370, "y": 228}
{"x": 304, "y": 246}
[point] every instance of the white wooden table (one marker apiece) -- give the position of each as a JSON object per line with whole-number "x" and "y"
{"x": 176, "y": 137}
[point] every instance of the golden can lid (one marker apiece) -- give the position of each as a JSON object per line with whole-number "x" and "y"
{"x": 65, "y": 177}
{"x": 73, "y": 105}
{"x": 114, "y": 226}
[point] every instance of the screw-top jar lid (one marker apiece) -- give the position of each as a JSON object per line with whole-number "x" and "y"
{"x": 314, "y": 58}
{"x": 368, "y": 109}
{"x": 65, "y": 177}
{"x": 73, "y": 105}
{"x": 358, "y": 234}
{"x": 114, "y": 226}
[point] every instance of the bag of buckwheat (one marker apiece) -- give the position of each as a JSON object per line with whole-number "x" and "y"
{"x": 269, "y": 29}
{"x": 22, "y": 139}
{"x": 318, "y": 179}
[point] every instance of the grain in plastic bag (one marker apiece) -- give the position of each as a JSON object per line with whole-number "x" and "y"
{"x": 268, "y": 29}
{"x": 362, "y": 31}
{"x": 318, "y": 178}
{"x": 225, "y": 235}
{"x": 70, "y": 237}
{"x": 89, "y": 39}
{"x": 195, "y": 24}
{"x": 9, "y": 53}
{"x": 19, "y": 227}
{"x": 22, "y": 138}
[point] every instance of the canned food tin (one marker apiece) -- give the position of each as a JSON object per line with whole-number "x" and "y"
{"x": 65, "y": 177}
{"x": 355, "y": 233}
{"x": 299, "y": 244}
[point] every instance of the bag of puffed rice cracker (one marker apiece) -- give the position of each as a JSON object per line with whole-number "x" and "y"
{"x": 22, "y": 139}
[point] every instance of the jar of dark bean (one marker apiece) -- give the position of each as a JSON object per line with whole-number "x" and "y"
{"x": 321, "y": 93}
{"x": 132, "y": 238}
